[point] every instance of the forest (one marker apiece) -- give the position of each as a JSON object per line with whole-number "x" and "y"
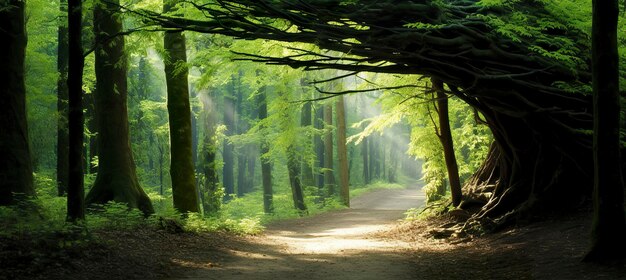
{"x": 261, "y": 139}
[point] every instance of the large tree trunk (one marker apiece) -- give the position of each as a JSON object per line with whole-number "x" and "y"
{"x": 609, "y": 224}
{"x": 62, "y": 102}
{"x": 182, "y": 168}
{"x": 117, "y": 179}
{"x": 266, "y": 167}
{"x": 445, "y": 137}
{"x": 15, "y": 161}
{"x": 76, "y": 184}
{"x": 228, "y": 149}
{"x": 342, "y": 153}
{"x": 329, "y": 174}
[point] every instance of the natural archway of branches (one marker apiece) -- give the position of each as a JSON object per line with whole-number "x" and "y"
{"x": 537, "y": 105}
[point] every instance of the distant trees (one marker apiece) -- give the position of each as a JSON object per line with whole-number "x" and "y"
{"x": 15, "y": 159}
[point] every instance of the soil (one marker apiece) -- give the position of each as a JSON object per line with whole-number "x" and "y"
{"x": 367, "y": 241}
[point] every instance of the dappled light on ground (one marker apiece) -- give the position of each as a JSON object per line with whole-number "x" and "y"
{"x": 337, "y": 245}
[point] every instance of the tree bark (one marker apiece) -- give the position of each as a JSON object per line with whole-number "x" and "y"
{"x": 609, "y": 224}
{"x": 62, "y": 101}
{"x": 116, "y": 179}
{"x": 365, "y": 156}
{"x": 329, "y": 174}
{"x": 76, "y": 184}
{"x": 293, "y": 168}
{"x": 305, "y": 121}
{"x": 319, "y": 148}
{"x": 445, "y": 137}
{"x": 342, "y": 153}
{"x": 15, "y": 159}
{"x": 266, "y": 167}
{"x": 182, "y": 169}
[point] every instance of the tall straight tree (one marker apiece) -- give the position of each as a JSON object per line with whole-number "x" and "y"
{"x": 444, "y": 133}
{"x": 342, "y": 152}
{"x": 319, "y": 147}
{"x": 116, "y": 179}
{"x": 15, "y": 162}
{"x": 266, "y": 166}
{"x": 329, "y": 174}
{"x": 609, "y": 224}
{"x": 306, "y": 122}
{"x": 76, "y": 184}
{"x": 182, "y": 168}
{"x": 62, "y": 101}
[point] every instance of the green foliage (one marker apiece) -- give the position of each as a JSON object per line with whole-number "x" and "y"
{"x": 429, "y": 210}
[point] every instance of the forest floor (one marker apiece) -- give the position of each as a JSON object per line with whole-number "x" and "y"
{"x": 367, "y": 241}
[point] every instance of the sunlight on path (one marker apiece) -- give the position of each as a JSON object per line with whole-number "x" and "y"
{"x": 347, "y": 231}
{"x": 334, "y": 245}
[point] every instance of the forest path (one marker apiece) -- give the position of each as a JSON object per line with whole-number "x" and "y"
{"x": 334, "y": 245}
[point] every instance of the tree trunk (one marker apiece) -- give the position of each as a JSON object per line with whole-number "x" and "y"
{"x": 182, "y": 169}
{"x": 92, "y": 139}
{"x": 342, "y": 153}
{"x": 76, "y": 184}
{"x": 445, "y": 137}
{"x": 305, "y": 121}
{"x": 364, "y": 154}
{"x": 329, "y": 175}
{"x": 117, "y": 179}
{"x": 293, "y": 168}
{"x": 15, "y": 160}
{"x": 266, "y": 167}
{"x": 228, "y": 150}
{"x": 62, "y": 102}
{"x": 609, "y": 224}
{"x": 319, "y": 148}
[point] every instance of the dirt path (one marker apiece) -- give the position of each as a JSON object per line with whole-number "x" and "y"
{"x": 336, "y": 245}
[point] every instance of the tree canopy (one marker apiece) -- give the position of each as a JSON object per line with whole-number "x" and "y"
{"x": 524, "y": 65}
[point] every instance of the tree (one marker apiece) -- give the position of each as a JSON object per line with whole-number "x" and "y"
{"x": 305, "y": 122}
{"x": 609, "y": 223}
{"x": 62, "y": 101}
{"x": 15, "y": 159}
{"x": 266, "y": 167}
{"x": 213, "y": 198}
{"x": 117, "y": 178}
{"x": 182, "y": 168}
{"x": 444, "y": 134}
{"x": 342, "y": 153}
{"x": 228, "y": 149}
{"x": 329, "y": 175}
{"x": 76, "y": 184}
{"x": 533, "y": 94}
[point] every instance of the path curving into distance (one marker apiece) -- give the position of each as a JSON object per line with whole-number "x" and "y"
{"x": 334, "y": 245}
